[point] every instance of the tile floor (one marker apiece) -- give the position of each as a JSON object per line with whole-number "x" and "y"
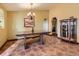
{"x": 6, "y": 45}
{"x": 52, "y": 47}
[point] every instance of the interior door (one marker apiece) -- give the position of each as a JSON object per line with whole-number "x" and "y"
{"x": 45, "y": 25}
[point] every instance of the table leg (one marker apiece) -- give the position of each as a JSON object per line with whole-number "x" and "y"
{"x": 25, "y": 46}
{"x": 41, "y": 39}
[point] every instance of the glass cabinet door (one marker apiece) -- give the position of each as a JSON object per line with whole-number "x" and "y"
{"x": 68, "y": 29}
{"x": 64, "y": 29}
{"x": 73, "y": 29}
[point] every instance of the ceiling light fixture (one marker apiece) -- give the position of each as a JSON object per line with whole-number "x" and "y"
{"x": 31, "y": 13}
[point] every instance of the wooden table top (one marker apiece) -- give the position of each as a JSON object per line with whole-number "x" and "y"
{"x": 31, "y": 33}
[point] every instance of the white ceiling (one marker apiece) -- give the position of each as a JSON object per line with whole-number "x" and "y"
{"x": 26, "y": 6}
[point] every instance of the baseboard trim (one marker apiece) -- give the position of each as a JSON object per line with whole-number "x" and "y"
{"x": 7, "y": 41}
{"x": 3, "y": 44}
{"x": 12, "y": 39}
{"x": 58, "y": 37}
{"x": 68, "y": 41}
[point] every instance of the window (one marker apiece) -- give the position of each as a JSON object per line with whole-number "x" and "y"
{"x": 1, "y": 19}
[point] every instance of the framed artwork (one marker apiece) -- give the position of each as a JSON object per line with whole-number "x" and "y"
{"x": 29, "y": 21}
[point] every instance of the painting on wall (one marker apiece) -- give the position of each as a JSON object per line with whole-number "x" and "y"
{"x": 29, "y": 21}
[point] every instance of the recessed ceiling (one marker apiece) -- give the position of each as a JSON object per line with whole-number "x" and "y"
{"x": 26, "y": 6}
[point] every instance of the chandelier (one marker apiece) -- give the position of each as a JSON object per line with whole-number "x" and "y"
{"x": 31, "y": 13}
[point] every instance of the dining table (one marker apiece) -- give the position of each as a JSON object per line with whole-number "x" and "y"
{"x": 29, "y": 34}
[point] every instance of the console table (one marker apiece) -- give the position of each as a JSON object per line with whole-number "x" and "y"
{"x": 28, "y": 34}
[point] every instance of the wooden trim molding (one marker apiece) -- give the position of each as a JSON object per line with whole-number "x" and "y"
{"x": 67, "y": 41}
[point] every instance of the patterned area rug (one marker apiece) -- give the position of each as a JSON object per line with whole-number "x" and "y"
{"x": 52, "y": 47}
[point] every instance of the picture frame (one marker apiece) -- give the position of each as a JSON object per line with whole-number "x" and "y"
{"x": 29, "y": 21}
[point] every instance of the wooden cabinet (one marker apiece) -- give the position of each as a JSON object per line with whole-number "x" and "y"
{"x": 68, "y": 29}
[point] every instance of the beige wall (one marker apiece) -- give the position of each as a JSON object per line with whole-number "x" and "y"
{"x": 16, "y": 22}
{"x": 62, "y": 11}
{"x": 3, "y": 31}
